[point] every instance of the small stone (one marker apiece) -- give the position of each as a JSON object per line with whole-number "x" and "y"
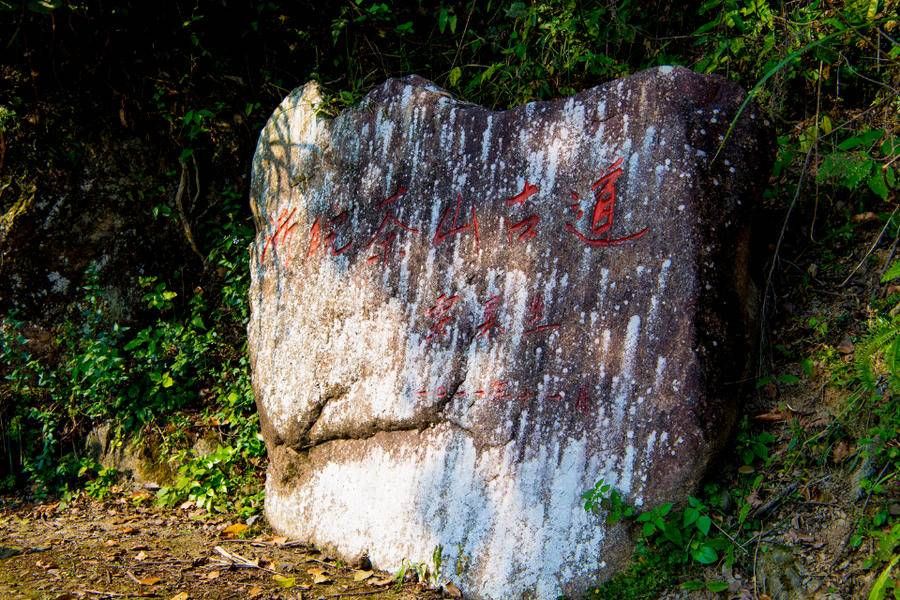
{"x": 846, "y": 345}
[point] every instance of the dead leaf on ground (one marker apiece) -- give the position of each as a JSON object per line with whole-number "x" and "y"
{"x": 45, "y": 565}
{"x": 149, "y": 580}
{"x": 284, "y": 581}
{"x": 362, "y": 575}
{"x": 180, "y": 596}
{"x": 234, "y": 529}
{"x": 383, "y": 582}
{"x": 111, "y": 543}
{"x": 319, "y": 576}
{"x": 254, "y": 592}
{"x": 452, "y": 591}
{"x": 841, "y": 451}
{"x": 774, "y": 416}
{"x": 129, "y": 530}
{"x": 846, "y": 345}
{"x": 212, "y": 575}
{"x": 140, "y": 556}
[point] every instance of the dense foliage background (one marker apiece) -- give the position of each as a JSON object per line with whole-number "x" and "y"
{"x": 149, "y": 112}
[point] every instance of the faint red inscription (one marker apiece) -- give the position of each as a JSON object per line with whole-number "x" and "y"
{"x": 453, "y": 223}
{"x": 500, "y": 390}
{"x": 323, "y": 234}
{"x": 583, "y": 401}
{"x": 535, "y": 316}
{"x": 440, "y": 315}
{"x": 284, "y": 231}
{"x": 386, "y": 233}
{"x": 490, "y": 318}
{"x": 602, "y": 217}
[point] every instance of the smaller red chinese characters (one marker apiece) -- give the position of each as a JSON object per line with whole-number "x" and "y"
{"x": 500, "y": 390}
{"x": 583, "y": 401}
{"x": 527, "y": 192}
{"x": 323, "y": 234}
{"x": 386, "y": 232}
{"x": 602, "y": 216}
{"x": 534, "y": 318}
{"x": 490, "y": 320}
{"x": 523, "y": 230}
{"x": 283, "y": 232}
{"x": 440, "y": 315}
{"x": 452, "y": 222}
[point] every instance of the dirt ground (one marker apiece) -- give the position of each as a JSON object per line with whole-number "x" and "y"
{"x": 128, "y": 548}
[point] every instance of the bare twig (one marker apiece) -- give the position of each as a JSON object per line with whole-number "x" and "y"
{"x": 871, "y": 248}
{"x": 179, "y": 205}
{"x": 777, "y": 250}
{"x": 773, "y": 503}
{"x": 236, "y": 560}
{"x": 107, "y": 594}
{"x": 347, "y": 594}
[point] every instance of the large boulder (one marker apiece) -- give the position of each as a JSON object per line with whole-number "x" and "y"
{"x": 462, "y": 318}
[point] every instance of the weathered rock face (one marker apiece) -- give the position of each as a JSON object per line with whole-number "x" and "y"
{"x": 462, "y": 319}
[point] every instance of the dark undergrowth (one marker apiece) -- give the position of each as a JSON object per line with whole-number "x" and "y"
{"x": 178, "y": 94}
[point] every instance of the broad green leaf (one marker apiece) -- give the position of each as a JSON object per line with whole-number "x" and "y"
{"x": 892, "y": 273}
{"x": 692, "y": 586}
{"x": 717, "y": 586}
{"x": 284, "y": 582}
{"x": 703, "y": 524}
{"x": 705, "y": 554}
{"x": 455, "y": 74}
{"x": 166, "y": 381}
{"x": 690, "y": 516}
{"x": 877, "y": 183}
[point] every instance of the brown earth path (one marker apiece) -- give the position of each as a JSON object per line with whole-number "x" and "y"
{"x": 128, "y": 548}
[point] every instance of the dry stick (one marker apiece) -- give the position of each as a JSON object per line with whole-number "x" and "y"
{"x": 871, "y": 248}
{"x": 345, "y": 594}
{"x": 462, "y": 38}
{"x": 775, "y": 254}
{"x": 772, "y": 504}
{"x": 179, "y": 205}
{"x": 239, "y": 561}
{"x": 812, "y": 226}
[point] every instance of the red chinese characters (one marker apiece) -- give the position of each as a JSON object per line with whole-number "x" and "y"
{"x": 526, "y": 228}
{"x": 440, "y": 315}
{"x": 386, "y": 233}
{"x": 283, "y": 232}
{"x": 583, "y": 401}
{"x": 490, "y": 319}
{"x": 523, "y": 230}
{"x": 602, "y": 216}
{"x": 323, "y": 234}
{"x": 534, "y": 318}
{"x": 528, "y": 190}
{"x": 452, "y": 222}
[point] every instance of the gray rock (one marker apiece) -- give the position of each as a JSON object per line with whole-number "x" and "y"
{"x": 462, "y": 319}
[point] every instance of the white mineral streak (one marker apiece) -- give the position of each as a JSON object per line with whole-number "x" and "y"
{"x": 487, "y": 507}
{"x": 329, "y": 338}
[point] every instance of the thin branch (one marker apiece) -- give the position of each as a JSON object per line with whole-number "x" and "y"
{"x": 871, "y": 248}
{"x": 778, "y": 249}
{"x": 179, "y": 205}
